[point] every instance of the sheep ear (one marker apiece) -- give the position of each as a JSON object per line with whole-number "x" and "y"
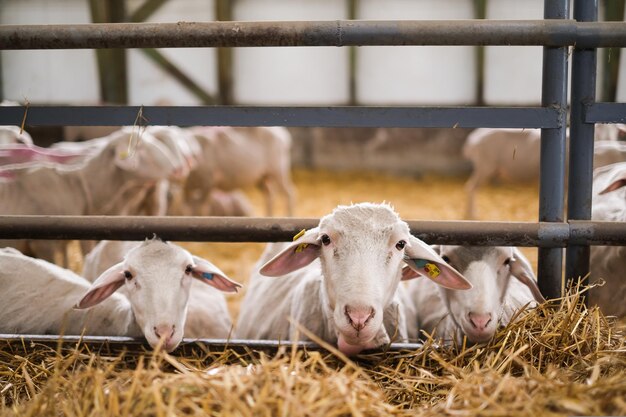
{"x": 408, "y": 273}
{"x": 103, "y": 287}
{"x": 522, "y": 270}
{"x": 615, "y": 185}
{"x": 304, "y": 250}
{"x": 210, "y": 274}
{"x": 423, "y": 260}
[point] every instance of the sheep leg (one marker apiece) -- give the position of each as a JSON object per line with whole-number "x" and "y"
{"x": 268, "y": 190}
{"x": 477, "y": 179}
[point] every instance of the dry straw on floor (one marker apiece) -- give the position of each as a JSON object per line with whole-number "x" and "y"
{"x": 560, "y": 359}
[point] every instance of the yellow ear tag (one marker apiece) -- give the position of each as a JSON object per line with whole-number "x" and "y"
{"x": 432, "y": 270}
{"x": 301, "y": 246}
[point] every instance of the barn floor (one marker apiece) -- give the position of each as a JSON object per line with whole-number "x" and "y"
{"x": 560, "y": 359}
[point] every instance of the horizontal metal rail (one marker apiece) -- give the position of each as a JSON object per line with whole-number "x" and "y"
{"x": 521, "y": 117}
{"x": 556, "y": 32}
{"x": 130, "y": 343}
{"x": 238, "y": 229}
{"x": 605, "y": 113}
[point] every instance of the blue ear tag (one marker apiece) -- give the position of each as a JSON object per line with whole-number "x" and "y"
{"x": 207, "y": 275}
{"x": 430, "y": 268}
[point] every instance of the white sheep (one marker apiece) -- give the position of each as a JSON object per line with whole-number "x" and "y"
{"x": 513, "y": 155}
{"x": 207, "y": 311}
{"x": 156, "y": 276}
{"x": 349, "y": 296}
{"x": 95, "y": 187}
{"x": 237, "y": 157}
{"x": 14, "y": 135}
{"x": 502, "y": 281}
{"x": 609, "y": 262}
{"x": 38, "y": 298}
{"x": 13, "y": 154}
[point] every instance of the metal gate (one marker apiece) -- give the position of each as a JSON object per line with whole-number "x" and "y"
{"x": 556, "y": 34}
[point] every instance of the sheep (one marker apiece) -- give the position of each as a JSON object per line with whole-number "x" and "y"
{"x": 232, "y": 203}
{"x": 236, "y": 157}
{"x": 39, "y": 297}
{"x": 156, "y": 277}
{"x": 95, "y": 187}
{"x": 12, "y": 154}
{"x": 513, "y": 155}
{"x": 14, "y": 135}
{"x": 207, "y": 312}
{"x": 502, "y": 281}
{"x": 352, "y": 300}
{"x": 609, "y": 262}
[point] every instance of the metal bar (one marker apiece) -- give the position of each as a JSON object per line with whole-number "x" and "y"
{"x": 521, "y": 117}
{"x": 605, "y": 112}
{"x": 552, "y": 162}
{"x": 581, "y": 141}
{"x": 314, "y": 33}
{"x": 121, "y": 342}
{"x": 238, "y": 229}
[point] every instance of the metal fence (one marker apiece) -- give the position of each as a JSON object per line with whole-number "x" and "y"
{"x": 556, "y": 33}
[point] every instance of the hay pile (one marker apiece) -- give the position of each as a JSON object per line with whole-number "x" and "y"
{"x": 561, "y": 359}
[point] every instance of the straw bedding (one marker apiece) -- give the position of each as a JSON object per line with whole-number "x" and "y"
{"x": 560, "y": 359}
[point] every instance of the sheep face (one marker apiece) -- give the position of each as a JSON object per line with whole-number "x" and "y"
{"x": 157, "y": 278}
{"x": 361, "y": 254}
{"x": 362, "y": 249}
{"x": 478, "y": 311}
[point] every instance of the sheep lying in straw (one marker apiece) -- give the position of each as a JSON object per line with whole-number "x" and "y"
{"x": 207, "y": 315}
{"x": 156, "y": 276}
{"x": 502, "y": 283}
{"x": 352, "y": 301}
{"x": 609, "y": 262}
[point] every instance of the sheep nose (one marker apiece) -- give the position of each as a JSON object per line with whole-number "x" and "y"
{"x": 164, "y": 331}
{"x": 479, "y": 321}
{"x": 359, "y": 316}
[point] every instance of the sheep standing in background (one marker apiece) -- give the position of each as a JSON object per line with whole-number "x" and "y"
{"x": 237, "y": 157}
{"x": 95, "y": 187}
{"x": 609, "y": 262}
{"x": 207, "y": 315}
{"x": 349, "y": 296}
{"x": 502, "y": 281}
{"x": 513, "y": 155}
{"x": 156, "y": 278}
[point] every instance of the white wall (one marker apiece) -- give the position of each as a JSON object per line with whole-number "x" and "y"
{"x": 286, "y": 75}
{"x": 149, "y": 84}
{"x": 513, "y": 73}
{"x": 415, "y": 74}
{"x": 299, "y": 76}
{"x": 55, "y": 76}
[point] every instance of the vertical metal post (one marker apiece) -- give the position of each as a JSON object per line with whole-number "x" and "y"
{"x": 552, "y": 165}
{"x": 480, "y": 12}
{"x": 581, "y": 140}
{"x": 353, "y": 11}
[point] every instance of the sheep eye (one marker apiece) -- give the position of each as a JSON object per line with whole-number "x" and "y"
{"x": 507, "y": 261}
{"x": 128, "y": 275}
{"x": 446, "y": 259}
{"x": 325, "y": 240}
{"x": 189, "y": 269}
{"x": 401, "y": 244}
